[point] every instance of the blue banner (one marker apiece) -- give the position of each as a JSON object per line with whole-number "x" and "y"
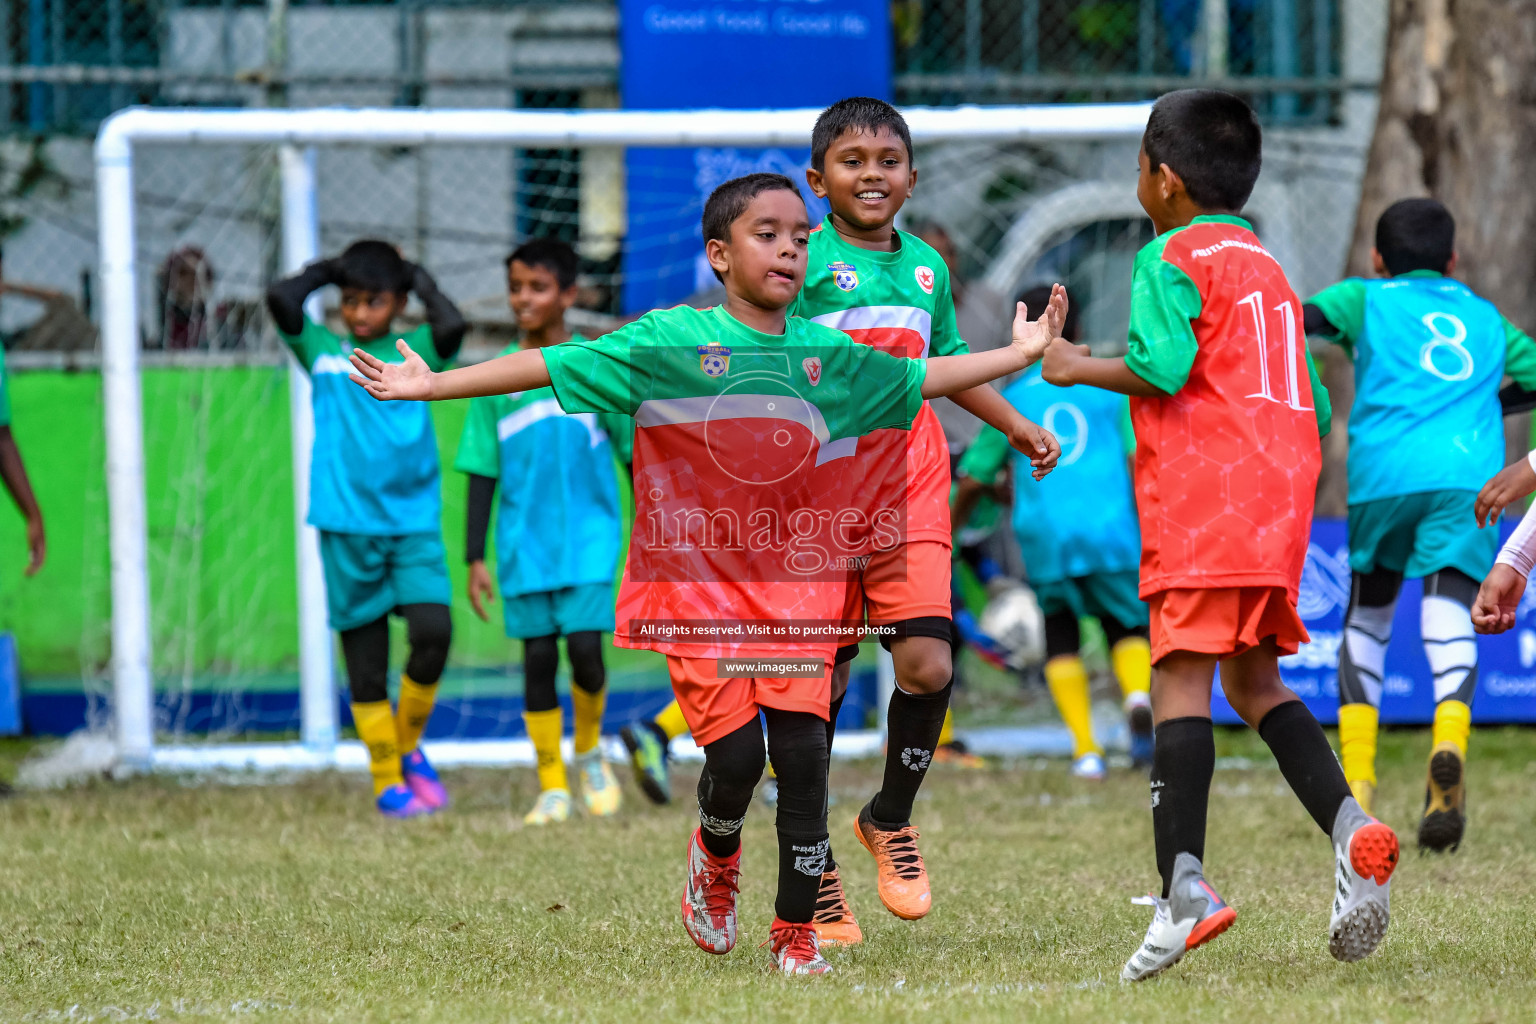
{"x": 1506, "y": 689}
{"x": 732, "y": 54}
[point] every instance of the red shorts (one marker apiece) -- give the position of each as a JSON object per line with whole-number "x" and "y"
{"x": 716, "y": 707}
{"x": 1224, "y": 621}
{"x": 908, "y": 581}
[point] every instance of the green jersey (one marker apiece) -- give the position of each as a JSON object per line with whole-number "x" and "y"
{"x": 731, "y": 426}
{"x": 898, "y": 302}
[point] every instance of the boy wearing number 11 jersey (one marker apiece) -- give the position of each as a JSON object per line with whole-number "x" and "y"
{"x": 1227, "y": 411}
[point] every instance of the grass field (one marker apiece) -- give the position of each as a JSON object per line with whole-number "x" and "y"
{"x": 155, "y": 899}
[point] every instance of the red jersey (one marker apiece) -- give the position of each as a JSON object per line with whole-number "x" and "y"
{"x": 1226, "y": 463}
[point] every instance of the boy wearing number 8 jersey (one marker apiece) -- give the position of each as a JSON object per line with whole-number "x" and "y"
{"x": 1227, "y": 411}
{"x": 1425, "y": 431}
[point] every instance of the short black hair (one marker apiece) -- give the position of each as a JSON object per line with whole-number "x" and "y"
{"x": 1038, "y": 297}
{"x": 731, "y": 199}
{"x": 375, "y": 266}
{"x": 1416, "y": 234}
{"x": 1210, "y": 139}
{"x": 552, "y": 254}
{"x": 862, "y": 114}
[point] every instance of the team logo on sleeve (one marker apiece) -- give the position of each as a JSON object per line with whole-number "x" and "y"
{"x": 924, "y": 277}
{"x": 844, "y": 276}
{"x": 714, "y": 359}
{"x": 812, "y": 367}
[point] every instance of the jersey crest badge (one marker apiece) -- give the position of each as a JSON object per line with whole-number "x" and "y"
{"x": 844, "y": 275}
{"x": 812, "y": 367}
{"x": 924, "y": 277}
{"x": 714, "y": 360}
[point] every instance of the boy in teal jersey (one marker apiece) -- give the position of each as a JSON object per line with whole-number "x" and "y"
{"x": 14, "y": 472}
{"x": 557, "y": 534}
{"x": 1425, "y": 431}
{"x": 736, "y": 409}
{"x": 1080, "y": 542}
{"x": 374, "y": 497}
{"x": 890, "y": 290}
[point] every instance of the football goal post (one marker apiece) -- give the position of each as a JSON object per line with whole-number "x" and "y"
{"x": 259, "y": 193}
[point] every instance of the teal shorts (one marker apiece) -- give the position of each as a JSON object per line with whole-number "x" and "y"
{"x": 1103, "y": 595}
{"x": 368, "y": 577}
{"x": 1418, "y": 534}
{"x": 579, "y": 609}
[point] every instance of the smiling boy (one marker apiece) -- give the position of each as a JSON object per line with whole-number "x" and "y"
{"x": 735, "y": 408}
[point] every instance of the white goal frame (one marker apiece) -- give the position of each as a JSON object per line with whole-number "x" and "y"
{"x": 296, "y": 132}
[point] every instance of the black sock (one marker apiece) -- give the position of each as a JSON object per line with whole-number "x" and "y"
{"x": 837, "y": 706}
{"x": 1306, "y": 760}
{"x": 541, "y": 661}
{"x": 913, "y": 724}
{"x": 1183, "y": 759}
{"x": 797, "y": 745}
{"x": 732, "y": 766}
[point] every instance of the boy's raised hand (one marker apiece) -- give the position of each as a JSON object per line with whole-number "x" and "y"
{"x": 410, "y": 381}
{"x": 1498, "y": 599}
{"x": 1510, "y": 484}
{"x": 1030, "y": 337}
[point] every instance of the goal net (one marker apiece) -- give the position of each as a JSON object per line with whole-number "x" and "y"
{"x": 218, "y": 630}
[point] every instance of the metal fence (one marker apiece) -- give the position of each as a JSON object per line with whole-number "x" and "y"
{"x": 1310, "y": 67}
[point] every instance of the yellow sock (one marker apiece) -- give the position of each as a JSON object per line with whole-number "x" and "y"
{"x": 1453, "y": 723}
{"x": 589, "y": 716}
{"x": 544, "y": 729}
{"x": 1132, "y": 661}
{"x": 376, "y": 728}
{"x": 947, "y": 733}
{"x": 1357, "y": 742}
{"x": 671, "y": 721}
{"x": 1068, "y": 680}
{"x": 416, "y": 703}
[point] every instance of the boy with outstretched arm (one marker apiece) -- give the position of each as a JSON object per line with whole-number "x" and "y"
{"x": 1227, "y": 458}
{"x": 1425, "y": 431}
{"x": 557, "y": 535}
{"x": 734, "y": 407}
{"x": 1080, "y": 544}
{"x": 890, "y": 290}
{"x": 374, "y": 497}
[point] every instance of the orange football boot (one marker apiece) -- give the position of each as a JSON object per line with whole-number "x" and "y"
{"x": 903, "y": 881}
{"x": 833, "y": 919}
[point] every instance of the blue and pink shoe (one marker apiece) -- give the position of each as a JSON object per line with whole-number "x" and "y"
{"x": 400, "y": 802}
{"x": 422, "y": 780}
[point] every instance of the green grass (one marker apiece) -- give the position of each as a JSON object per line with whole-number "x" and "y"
{"x": 159, "y": 899}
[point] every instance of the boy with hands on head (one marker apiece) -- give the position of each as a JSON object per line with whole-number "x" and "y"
{"x": 734, "y": 408}
{"x": 375, "y": 498}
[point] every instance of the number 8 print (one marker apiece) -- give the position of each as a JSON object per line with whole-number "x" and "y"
{"x": 1450, "y": 341}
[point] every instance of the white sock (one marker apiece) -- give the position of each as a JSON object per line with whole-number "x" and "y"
{"x": 1449, "y": 644}
{"x": 1367, "y": 632}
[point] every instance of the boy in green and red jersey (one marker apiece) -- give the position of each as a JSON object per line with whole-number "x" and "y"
{"x": 1227, "y": 459}
{"x": 890, "y": 290}
{"x": 735, "y": 408}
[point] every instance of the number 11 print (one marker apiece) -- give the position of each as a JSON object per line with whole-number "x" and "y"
{"x": 1254, "y": 303}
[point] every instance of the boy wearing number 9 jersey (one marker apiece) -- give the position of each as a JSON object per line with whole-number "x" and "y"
{"x": 1227, "y": 411}
{"x": 1424, "y": 433}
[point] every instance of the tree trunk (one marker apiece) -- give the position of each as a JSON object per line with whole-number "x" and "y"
{"x": 1458, "y": 122}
